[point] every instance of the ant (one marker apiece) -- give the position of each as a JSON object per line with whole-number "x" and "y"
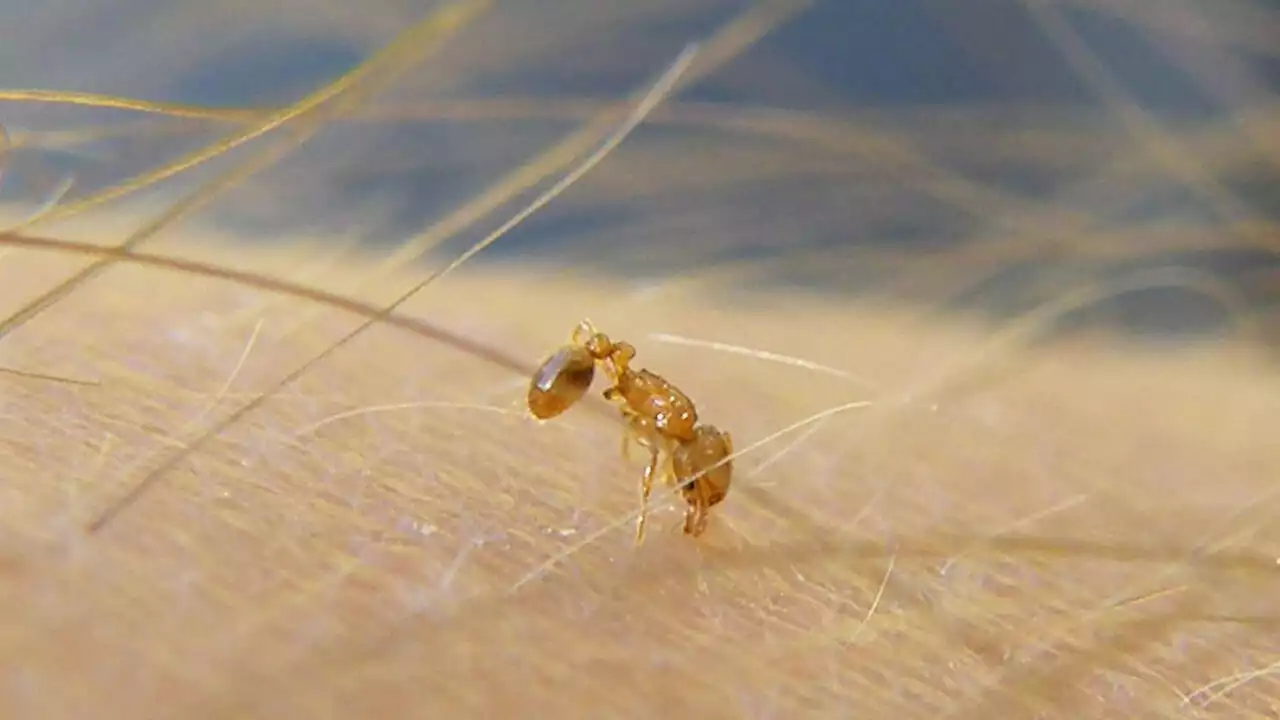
{"x": 659, "y": 417}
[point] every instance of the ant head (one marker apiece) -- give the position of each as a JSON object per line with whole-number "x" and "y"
{"x": 599, "y": 345}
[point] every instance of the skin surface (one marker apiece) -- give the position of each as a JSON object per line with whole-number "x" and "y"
{"x": 1086, "y": 534}
{"x": 974, "y": 526}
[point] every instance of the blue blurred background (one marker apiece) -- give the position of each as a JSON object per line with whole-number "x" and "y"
{"x": 973, "y": 157}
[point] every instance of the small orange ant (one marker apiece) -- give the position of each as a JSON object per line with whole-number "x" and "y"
{"x": 659, "y": 416}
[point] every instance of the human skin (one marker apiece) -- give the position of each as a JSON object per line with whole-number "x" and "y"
{"x": 1079, "y": 529}
{"x": 1083, "y": 533}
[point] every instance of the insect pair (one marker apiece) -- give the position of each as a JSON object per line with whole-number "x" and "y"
{"x": 659, "y": 417}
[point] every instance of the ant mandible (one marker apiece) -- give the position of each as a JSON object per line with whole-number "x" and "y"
{"x": 659, "y": 417}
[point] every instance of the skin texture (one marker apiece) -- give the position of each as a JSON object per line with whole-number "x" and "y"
{"x": 1085, "y": 534}
{"x": 1073, "y": 529}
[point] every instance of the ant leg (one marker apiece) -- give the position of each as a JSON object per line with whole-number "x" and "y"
{"x": 646, "y": 487}
{"x": 640, "y": 430}
{"x": 636, "y": 432}
{"x": 695, "y": 518}
{"x": 614, "y": 395}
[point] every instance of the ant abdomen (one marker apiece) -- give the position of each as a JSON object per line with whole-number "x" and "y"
{"x": 704, "y": 472}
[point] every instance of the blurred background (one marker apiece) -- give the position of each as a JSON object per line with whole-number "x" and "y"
{"x": 975, "y": 158}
